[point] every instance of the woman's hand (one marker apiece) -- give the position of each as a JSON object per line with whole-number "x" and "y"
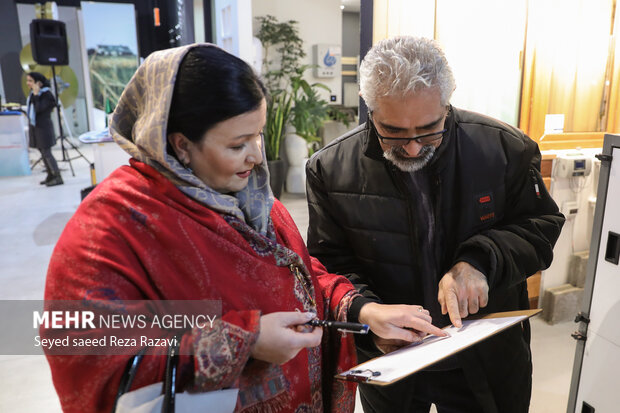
{"x": 397, "y": 325}
{"x": 278, "y": 341}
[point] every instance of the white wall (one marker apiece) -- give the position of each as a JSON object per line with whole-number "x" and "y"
{"x": 577, "y": 232}
{"x": 403, "y": 17}
{"x": 486, "y": 68}
{"x": 199, "y": 21}
{"x": 319, "y": 21}
{"x": 233, "y": 27}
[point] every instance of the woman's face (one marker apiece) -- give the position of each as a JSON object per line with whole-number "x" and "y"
{"x": 228, "y": 152}
{"x": 30, "y": 82}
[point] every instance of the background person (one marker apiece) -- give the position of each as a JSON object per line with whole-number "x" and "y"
{"x": 39, "y": 106}
{"x": 191, "y": 218}
{"x": 432, "y": 205}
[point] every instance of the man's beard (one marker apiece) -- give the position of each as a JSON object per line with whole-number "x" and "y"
{"x": 398, "y": 156}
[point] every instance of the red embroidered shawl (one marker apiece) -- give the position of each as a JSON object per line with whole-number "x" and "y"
{"x": 136, "y": 236}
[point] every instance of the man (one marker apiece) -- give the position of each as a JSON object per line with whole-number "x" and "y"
{"x": 432, "y": 205}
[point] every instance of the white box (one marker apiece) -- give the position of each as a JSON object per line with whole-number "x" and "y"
{"x": 13, "y": 144}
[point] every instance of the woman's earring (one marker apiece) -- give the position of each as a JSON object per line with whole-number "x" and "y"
{"x": 186, "y": 166}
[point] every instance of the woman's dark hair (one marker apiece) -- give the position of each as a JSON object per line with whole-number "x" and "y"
{"x": 212, "y": 86}
{"x": 38, "y": 77}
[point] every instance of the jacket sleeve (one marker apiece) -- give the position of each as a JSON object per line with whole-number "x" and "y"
{"x": 328, "y": 242}
{"x": 522, "y": 242}
{"x": 43, "y": 102}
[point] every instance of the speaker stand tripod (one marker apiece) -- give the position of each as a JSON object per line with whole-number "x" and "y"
{"x": 65, "y": 155}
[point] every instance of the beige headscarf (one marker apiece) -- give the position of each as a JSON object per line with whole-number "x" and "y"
{"x": 139, "y": 126}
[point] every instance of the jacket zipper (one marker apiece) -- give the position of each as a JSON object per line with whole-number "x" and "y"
{"x": 402, "y": 187}
{"x": 437, "y": 219}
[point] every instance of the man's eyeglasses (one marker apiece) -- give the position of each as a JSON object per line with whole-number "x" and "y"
{"x": 421, "y": 139}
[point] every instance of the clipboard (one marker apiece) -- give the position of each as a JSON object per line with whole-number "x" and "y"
{"x": 394, "y": 366}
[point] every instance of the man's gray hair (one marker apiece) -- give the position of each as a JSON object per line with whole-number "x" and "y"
{"x": 404, "y": 64}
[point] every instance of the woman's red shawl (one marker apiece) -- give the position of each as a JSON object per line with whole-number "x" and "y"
{"x": 137, "y": 237}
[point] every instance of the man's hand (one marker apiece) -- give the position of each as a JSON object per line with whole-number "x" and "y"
{"x": 462, "y": 291}
{"x": 279, "y": 338}
{"x": 397, "y": 325}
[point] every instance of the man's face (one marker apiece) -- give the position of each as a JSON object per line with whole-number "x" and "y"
{"x": 416, "y": 114}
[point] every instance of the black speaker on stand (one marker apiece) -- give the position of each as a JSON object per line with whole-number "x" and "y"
{"x": 49, "y": 42}
{"x": 48, "y": 39}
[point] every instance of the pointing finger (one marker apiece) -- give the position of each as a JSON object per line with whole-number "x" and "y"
{"x": 452, "y": 305}
{"x": 404, "y": 334}
{"x": 427, "y": 328}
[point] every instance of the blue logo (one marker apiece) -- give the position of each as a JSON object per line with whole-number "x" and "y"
{"x": 329, "y": 59}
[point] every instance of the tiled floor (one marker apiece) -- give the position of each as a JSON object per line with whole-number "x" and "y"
{"x": 31, "y": 219}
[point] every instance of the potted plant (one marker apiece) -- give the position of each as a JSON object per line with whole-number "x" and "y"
{"x": 308, "y": 113}
{"x": 293, "y": 103}
{"x": 282, "y": 51}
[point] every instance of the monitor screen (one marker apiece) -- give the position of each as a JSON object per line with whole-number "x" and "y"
{"x": 580, "y": 164}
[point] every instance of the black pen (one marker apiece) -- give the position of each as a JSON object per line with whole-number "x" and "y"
{"x": 356, "y": 328}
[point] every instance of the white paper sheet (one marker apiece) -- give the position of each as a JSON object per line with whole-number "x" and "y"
{"x": 409, "y": 359}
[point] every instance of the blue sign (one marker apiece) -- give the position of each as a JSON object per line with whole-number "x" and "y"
{"x": 329, "y": 59}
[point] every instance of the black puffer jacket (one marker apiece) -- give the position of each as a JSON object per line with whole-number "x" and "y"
{"x": 491, "y": 210}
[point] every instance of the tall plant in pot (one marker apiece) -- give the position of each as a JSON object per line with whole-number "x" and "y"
{"x": 293, "y": 100}
{"x": 282, "y": 51}
{"x": 307, "y": 116}
{"x": 278, "y": 113}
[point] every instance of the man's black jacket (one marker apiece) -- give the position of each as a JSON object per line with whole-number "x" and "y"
{"x": 491, "y": 209}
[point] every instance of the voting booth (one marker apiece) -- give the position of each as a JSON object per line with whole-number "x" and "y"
{"x": 595, "y": 384}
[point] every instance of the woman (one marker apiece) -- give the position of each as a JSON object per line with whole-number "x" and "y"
{"x": 40, "y": 104}
{"x": 193, "y": 218}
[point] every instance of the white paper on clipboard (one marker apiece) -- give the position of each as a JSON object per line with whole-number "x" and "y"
{"x": 407, "y": 360}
